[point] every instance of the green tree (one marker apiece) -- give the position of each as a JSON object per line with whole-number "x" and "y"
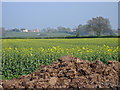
{"x": 16, "y": 30}
{"x": 78, "y": 35}
{"x": 81, "y": 29}
{"x": 98, "y": 25}
{"x": 49, "y": 29}
{"x": 63, "y": 29}
{"x": 78, "y": 29}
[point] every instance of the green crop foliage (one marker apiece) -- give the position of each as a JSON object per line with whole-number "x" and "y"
{"x": 24, "y": 56}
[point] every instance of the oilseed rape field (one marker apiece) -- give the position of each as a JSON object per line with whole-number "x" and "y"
{"x": 24, "y": 56}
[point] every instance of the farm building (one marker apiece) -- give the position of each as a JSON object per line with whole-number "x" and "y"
{"x": 24, "y": 30}
{"x": 36, "y": 30}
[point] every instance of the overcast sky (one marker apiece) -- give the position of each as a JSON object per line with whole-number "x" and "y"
{"x": 40, "y": 15}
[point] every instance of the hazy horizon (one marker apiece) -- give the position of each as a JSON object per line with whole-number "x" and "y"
{"x": 40, "y": 15}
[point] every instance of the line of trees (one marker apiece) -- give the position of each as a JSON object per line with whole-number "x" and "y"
{"x": 94, "y": 27}
{"x": 59, "y": 29}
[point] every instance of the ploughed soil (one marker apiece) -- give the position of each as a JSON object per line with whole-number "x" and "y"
{"x": 69, "y": 72}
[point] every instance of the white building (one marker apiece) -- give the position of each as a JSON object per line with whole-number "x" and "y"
{"x": 73, "y": 30}
{"x": 24, "y": 30}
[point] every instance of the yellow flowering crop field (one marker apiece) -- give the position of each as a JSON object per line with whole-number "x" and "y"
{"x": 24, "y": 56}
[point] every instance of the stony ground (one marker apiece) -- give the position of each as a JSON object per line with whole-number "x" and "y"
{"x": 69, "y": 72}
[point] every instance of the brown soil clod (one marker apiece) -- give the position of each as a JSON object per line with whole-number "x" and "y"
{"x": 69, "y": 72}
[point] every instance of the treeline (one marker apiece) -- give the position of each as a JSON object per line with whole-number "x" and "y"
{"x": 95, "y": 27}
{"x": 67, "y": 37}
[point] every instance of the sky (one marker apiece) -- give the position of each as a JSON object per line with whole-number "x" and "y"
{"x": 40, "y": 15}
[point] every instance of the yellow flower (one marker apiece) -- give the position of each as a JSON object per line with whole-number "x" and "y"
{"x": 30, "y": 48}
{"x": 107, "y": 46}
{"x": 109, "y": 50}
{"x": 54, "y": 48}
{"x": 117, "y": 47}
{"x": 15, "y": 48}
{"x": 42, "y": 50}
{"x": 31, "y": 54}
{"x": 78, "y": 50}
{"x": 87, "y": 51}
{"x": 10, "y": 48}
{"x": 83, "y": 48}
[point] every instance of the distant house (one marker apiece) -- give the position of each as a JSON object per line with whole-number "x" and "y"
{"x": 36, "y": 30}
{"x": 73, "y": 30}
{"x": 29, "y": 30}
{"x": 24, "y": 30}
